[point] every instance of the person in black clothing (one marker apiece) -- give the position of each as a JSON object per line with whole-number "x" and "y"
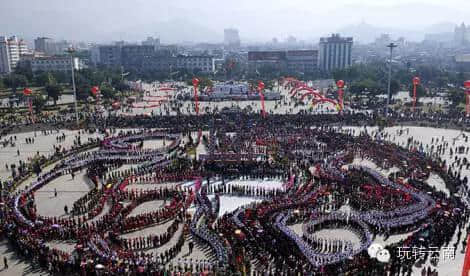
{"x": 191, "y": 246}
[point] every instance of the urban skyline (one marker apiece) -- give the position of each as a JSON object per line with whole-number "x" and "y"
{"x": 176, "y": 22}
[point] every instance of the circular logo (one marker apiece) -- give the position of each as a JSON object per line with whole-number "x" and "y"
{"x": 383, "y": 256}
{"x": 374, "y": 249}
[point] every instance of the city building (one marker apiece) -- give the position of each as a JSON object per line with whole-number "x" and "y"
{"x": 273, "y": 59}
{"x": 160, "y": 63}
{"x": 304, "y": 61}
{"x": 5, "y": 67}
{"x": 335, "y": 52}
{"x": 155, "y": 42}
{"x": 95, "y": 55}
{"x": 462, "y": 62}
{"x": 203, "y": 63}
{"x": 232, "y": 38}
{"x": 110, "y": 55}
{"x": 383, "y": 40}
{"x": 293, "y": 61}
{"x": 134, "y": 56}
{"x": 63, "y": 45}
{"x": 45, "y": 45}
{"x": 49, "y": 64}
{"x": 11, "y": 50}
{"x": 462, "y": 35}
{"x": 167, "y": 50}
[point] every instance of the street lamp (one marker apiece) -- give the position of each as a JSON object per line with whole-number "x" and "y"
{"x": 391, "y": 46}
{"x": 416, "y": 81}
{"x": 71, "y": 50}
{"x": 466, "y": 84}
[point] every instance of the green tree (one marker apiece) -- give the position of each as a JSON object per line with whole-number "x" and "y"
{"x": 41, "y": 79}
{"x": 38, "y": 102}
{"x": 14, "y": 81}
{"x": 370, "y": 85}
{"x": 457, "y": 96}
{"x": 54, "y": 91}
{"x": 394, "y": 86}
{"x": 62, "y": 77}
{"x": 107, "y": 91}
{"x": 83, "y": 91}
{"x": 25, "y": 71}
{"x": 44, "y": 79}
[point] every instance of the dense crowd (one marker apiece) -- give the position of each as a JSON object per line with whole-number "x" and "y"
{"x": 310, "y": 154}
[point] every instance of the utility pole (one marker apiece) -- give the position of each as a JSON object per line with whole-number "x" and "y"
{"x": 389, "y": 95}
{"x": 71, "y": 50}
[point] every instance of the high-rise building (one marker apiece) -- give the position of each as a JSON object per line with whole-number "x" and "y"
{"x": 45, "y": 45}
{"x": 462, "y": 35}
{"x": 11, "y": 50}
{"x": 152, "y": 42}
{"x": 335, "y": 52}
{"x": 231, "y": 38}
{"x": 4, "y": 56}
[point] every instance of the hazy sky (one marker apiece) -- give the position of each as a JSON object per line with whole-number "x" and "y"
{"x": 204, "y": 20}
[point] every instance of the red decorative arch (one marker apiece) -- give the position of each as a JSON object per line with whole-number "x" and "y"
{"x": 302, "y": 88}
{"x": 310, "y": 91}
{"x": 298, "y": 85}
{"x": 288, "y": 80}
{"x": 325, "y": 100}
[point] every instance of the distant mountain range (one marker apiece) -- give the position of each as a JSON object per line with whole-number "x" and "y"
{"x": 177, "y": 30}
{"x": 174, "y": 30}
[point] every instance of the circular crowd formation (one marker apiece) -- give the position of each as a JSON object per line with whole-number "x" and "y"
{"x": 279, "y": 232}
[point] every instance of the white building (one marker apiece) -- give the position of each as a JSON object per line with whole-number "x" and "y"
{"x": 48, "y": 64}
{"x": 335, "y": 52}
{"x": 11, "y": 50}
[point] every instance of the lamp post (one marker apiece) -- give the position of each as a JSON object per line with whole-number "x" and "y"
{"x": 27, "y": 92}
{"x": 261, "y": 95}
{"x": 195, "y": 85}
{"x": 340, "y": 85}
{"x": 391, "y": 46}
{"x": 466, "y": 84}
{"x": 416, "y": 81}
{"x": 71, "y": 50}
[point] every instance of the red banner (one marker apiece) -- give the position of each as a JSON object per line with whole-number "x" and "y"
{"x": 466, "y": 264}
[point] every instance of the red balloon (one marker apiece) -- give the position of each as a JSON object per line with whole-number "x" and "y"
{"x": 466, "y": 84}
{"x": 260, "y": 85}
{"x": 195, "y": 81}
{"x": 95, "y": 90}
{"x": 416, "y": 81}
{"x": 27, "y": 91}
{"x": 340, "y": 84}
